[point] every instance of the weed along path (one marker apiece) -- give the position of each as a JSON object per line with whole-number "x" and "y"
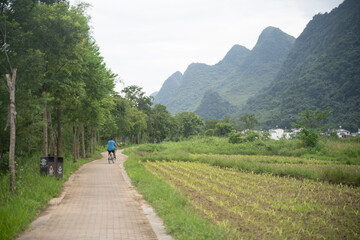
{"x": 98, "y": 202}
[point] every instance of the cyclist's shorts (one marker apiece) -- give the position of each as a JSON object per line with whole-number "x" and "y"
{"x": 113, "y": 151}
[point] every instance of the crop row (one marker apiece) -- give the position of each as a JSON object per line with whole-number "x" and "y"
{"x": 263, "y": 205}
{"x": 326, "y": 170}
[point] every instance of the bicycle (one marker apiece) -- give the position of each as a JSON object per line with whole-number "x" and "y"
{"x": 111, "y": 157}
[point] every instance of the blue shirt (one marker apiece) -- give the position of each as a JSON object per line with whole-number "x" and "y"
{"x": 111, "y": 145}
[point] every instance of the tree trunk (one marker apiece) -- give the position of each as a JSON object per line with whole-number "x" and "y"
{"x": 83, "y": 140}
{"x": 52, "y": 140}
{"x": 59, "y": 135}
{"x": 12, "y": 121}
{"x": 90, "y": 140}
{"x": 74, "y": 143}
{"x": 45, "y": 128}
{"x": 98, "y": 138}
{"x": 94, "y": 140}
{"x": 78, "y": 142}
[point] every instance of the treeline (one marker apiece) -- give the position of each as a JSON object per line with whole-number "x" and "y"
{"x": 57, "y": 95}
{"x": 61, "y": 86}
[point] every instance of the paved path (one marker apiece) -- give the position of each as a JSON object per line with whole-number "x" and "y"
{"x": 97, "y": 203}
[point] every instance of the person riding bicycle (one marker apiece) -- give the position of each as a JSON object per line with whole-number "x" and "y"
{"x": 111, "y": 146}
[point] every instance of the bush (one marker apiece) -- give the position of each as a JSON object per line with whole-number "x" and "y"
{"x": 210, "y": 132}
{"x": 236, "y": 137}
{"x": 309, "y": 137}
{"x": 252, "y": 136}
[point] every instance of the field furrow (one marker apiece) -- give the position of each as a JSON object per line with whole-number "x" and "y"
{"x": 265, "y": 206}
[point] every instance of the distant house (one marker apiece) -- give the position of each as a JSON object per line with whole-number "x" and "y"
{"x": 279, "y": 133}
{"x": 342, "y": 133}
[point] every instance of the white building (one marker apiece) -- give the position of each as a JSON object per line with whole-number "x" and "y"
{"x": 342, "y": 133}
{"x": 279, "y": 133}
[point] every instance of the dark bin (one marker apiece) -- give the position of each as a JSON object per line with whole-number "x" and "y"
{"x": 44, "y": 165}
{"x": 60, "y": 167}
{"x": 51, "y": 166}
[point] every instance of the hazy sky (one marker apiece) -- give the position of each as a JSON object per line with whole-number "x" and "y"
{"x": 145, "y": 41}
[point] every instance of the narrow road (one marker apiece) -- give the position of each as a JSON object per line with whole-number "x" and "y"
{"x": 97, "y": 203}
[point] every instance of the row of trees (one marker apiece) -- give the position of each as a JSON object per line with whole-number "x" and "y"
{"x": 65, "y": 98}
{"x": 63, "y": 87}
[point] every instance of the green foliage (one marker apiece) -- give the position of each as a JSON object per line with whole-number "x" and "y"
{"x": 248, "y": 121}
{"x": 138, "y": 98}
{"x": 223, "y": 129}
{"x": 312, "y": 119}
{"x": 309, "y": 137}
{"x": 160, "y": 120}
{"x": 189, "y": 123}
{"x": 321, "y": 71}
{"x": 252, "y": 136}
{"x": 211, "y": 123}
{"x": 210, "y": 132}
{"x": 212, "y": 106}
{"x": 236, "y": 137}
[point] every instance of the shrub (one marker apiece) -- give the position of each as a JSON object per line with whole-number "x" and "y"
{"x": 309, "y": 137}
{"x": 210, "y": 132}
{"x": 252, "y": 136}
{"x": 236, "y": 137}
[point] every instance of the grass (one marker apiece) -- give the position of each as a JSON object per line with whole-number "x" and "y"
{"x": 248, "y": 190}
{"x": 340, "y": 165}
{"x": 173, "y": 207}
{"x": 33, "y": 192}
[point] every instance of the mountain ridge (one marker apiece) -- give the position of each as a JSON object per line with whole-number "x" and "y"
{"x": 228, "y": 74}
{"x": 322, "y": 70}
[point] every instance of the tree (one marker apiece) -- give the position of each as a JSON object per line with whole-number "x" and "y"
{"x": 211, "y": 123}
{"x": 312, "y": 119}
{"x": 311, "y": 123}
{"x": 223, "y": 129}
{"x": 248, "y": 121}
{"x": 160, "y": 122}
{"x": 190, "y": 123}
{"x": 137, "y": 96}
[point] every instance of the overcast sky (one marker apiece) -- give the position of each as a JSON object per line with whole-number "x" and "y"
{"x": 145, "y": 41}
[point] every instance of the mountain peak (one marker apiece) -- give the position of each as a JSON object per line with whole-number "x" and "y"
{"x": 235, "y": 55}
{"x": 273, "y": 36}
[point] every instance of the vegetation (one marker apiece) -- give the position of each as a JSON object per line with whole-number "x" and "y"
{"x": 320, "y": 71}
{"x": 334, "y": 161}
{"x": 173, "y": 208}
{"x": 254, "y": 189}
{"x": 264, "y": 206}
{"x": 213, "y": 106}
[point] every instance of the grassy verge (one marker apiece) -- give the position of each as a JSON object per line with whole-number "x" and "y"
{"x": 172, "y": 206}
{"x": 33, "y": 193}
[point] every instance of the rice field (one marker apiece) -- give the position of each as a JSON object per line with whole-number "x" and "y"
{"x": 258, "y": 206}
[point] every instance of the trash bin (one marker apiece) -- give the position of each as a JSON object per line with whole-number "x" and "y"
{"x": 51, "y": 166}
{"x": 44, "y": 165}
{"x": 60, "y": 167}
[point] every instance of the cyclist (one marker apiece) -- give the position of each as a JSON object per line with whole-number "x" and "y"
{"x": 111, "y": 146}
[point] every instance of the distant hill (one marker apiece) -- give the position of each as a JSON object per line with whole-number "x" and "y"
{"x": 168, "y": 88}
{"x": 154, "y": 94}
{"x": 213, "y": 106}
{"x": 239, "y": 75}
{"x": 322, "y": 70}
